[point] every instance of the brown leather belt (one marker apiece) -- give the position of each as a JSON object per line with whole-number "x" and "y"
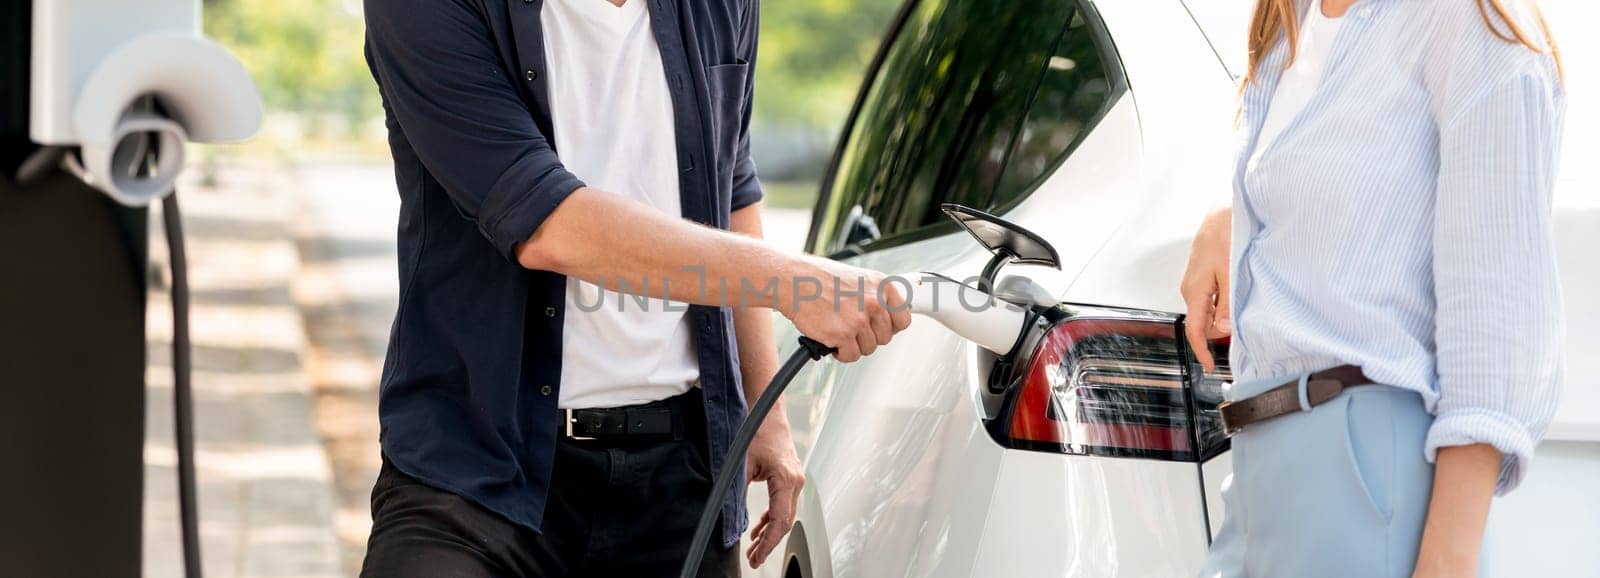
{"x": 1285, "y": 398}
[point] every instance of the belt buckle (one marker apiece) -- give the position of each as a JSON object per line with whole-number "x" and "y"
{"x": 571, "y": 418}
{"x": 1228, "y": 429}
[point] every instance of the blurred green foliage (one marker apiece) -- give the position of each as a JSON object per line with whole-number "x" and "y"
{"x": 812, "y": 56}
{"x": 306, "y": 58}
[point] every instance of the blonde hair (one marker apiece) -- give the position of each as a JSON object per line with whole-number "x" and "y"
{"x": 1274, "y": 17}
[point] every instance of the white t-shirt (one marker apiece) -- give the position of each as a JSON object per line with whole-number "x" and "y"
{"x": 613, "y": 123}
{"x": 1299, "y": 82}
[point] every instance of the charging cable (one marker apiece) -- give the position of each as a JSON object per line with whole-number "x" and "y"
{"x": 999, "y": 328}
{"x": 810, "y": 350}
{"x": 182, "y": 392}
{"x": 142, "y": 162}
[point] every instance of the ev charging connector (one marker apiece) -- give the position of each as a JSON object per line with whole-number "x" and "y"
{"x": 128, "y": 82}
{"x": 999, "y": 324}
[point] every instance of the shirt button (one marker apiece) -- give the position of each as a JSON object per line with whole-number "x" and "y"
{"x": 544, "y": 390}
{"x": 532, "y": 74}
{"x": 1364, "y": 12}
{"x": 549, "y": 312}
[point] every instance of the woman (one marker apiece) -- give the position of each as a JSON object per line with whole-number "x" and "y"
{"x": 1396, "y": 326}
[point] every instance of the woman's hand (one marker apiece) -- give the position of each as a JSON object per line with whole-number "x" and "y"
{"x": 1205, "y": 285}
{"x": 1463, "y": 484}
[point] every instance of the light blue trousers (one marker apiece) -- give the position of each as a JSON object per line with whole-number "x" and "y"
{"x": 1338, "y": 491}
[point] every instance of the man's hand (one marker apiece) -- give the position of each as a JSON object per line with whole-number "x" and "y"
{"x": 1205, "y": 286}
{"x": 850, "y": 309}
{"x": 772, "y": 460}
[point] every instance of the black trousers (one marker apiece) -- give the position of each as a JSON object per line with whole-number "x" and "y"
{"x": 615, "y": 509}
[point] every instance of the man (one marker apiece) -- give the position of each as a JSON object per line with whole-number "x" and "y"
{"x": 535, "y": 422}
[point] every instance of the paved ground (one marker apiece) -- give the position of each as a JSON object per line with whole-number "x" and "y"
{"x": 346, "y": 290}
{"x": 266, "y": 506}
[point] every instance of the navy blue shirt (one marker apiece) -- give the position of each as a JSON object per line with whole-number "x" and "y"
{"x": 468, "y": 400}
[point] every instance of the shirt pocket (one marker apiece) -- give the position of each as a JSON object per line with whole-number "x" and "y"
{"x": 726, "y": 84}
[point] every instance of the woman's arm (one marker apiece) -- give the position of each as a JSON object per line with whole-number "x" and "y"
{"x": 1498, "y": 319}
{"x": 1205, "y": 285}
{"x": 1463, "y": 484}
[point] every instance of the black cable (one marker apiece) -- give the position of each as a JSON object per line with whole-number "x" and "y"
{"x": 810, "y": 350}
{"x": 182, "y": 393}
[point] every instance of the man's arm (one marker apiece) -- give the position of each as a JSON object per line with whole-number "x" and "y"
{"x": 613, "y": 242}
{"x": 440, "y": 75}
{"x": 461, "y": 114}
{"x": 758, "y": 353}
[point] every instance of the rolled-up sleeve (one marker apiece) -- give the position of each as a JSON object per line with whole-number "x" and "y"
{"x": 443, "y": 82}
{"x": 746, "y": 186}
{"x": 1499, "y": 320}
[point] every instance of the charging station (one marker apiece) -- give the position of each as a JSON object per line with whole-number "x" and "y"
{"x": 97, "y": 101}
{"x": 72, "y": 356}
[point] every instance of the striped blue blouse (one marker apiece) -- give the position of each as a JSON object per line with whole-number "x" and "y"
{"x": 1402, "y": 222}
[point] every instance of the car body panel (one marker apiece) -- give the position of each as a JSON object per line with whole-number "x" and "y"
{"x": 893, "y": 495}
{"x": 1225, "y": 24}
{"x": 903, "y": 480}
{"x": 1185, "y": 105}
{"x": 1091, "y": 517}
{"x": 890, "y": 486}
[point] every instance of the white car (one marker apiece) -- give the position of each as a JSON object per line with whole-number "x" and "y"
{"x": 1106, "y": 128}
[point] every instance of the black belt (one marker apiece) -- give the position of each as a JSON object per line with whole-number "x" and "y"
{"x": 657, "y": 419}
{"x": 1285, "y": 398}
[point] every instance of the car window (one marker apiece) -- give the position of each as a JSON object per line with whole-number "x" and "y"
{"x": 974, "y": 101}
{"x": 1072, "y": 91}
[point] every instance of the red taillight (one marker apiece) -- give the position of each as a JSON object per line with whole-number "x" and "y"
{"x": 1113, "y": 386}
